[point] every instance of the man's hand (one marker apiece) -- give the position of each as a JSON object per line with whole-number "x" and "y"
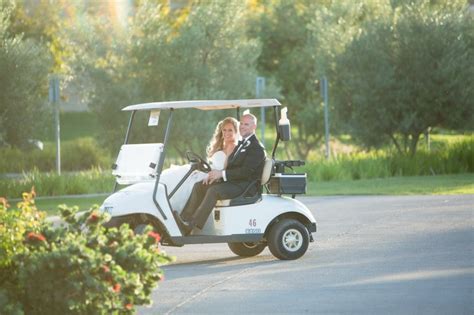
{"x": 212, "y": 176}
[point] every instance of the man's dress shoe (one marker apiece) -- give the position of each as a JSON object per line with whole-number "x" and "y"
{"x": 185, "y": 227}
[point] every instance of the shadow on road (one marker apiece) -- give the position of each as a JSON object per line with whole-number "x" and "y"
{"x": 218, "y": 265}
{"x": 209, "y": 261}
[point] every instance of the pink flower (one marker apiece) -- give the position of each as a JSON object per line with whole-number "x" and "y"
{"x": 155, "y": 235}
{"x": 105, "y": 269}
{"x": 129, "y": 306}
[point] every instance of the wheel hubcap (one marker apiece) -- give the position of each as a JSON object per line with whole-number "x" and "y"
{"x": 292, "y": 240}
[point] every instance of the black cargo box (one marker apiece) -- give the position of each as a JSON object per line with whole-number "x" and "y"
{"x": 290, "y": 184}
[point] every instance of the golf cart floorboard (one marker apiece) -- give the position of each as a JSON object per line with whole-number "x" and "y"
{"x": 203, "y": 239}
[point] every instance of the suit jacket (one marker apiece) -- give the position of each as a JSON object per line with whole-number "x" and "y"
{"x": 246, "y": 163}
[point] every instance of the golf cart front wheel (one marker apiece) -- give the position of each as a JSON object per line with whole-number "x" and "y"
{"x": 139, "y": 229}
{"x": 288, "y": 239}
{"x": 247, "y": 249}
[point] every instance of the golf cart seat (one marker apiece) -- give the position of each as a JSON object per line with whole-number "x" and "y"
{"x": 244, "y": 198}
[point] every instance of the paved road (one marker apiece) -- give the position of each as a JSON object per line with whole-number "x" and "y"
{"x": 372, "y": 255}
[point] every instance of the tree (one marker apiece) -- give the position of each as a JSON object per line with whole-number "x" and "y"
{"x": 24, "y": 65}
{"x": 301, "y": 40}
{"x": 199, "y": 52}
{"x": 208, "y": 56}
{"x": 405, "y": 74}
{"x": 286, "y": 57}
{"x": 42, "y": 21}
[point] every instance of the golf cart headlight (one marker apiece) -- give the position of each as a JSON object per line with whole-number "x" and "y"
{"x": 107, "y": 209}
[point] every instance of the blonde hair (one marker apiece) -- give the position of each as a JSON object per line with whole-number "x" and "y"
{"x": 217, "y": 141}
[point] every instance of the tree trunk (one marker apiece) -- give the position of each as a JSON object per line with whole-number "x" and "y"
{"x": 397, "y": 145}
{"x": 405, "y": 143}
{"x": 289, "y": 156}
{"x": 414, "y": 143}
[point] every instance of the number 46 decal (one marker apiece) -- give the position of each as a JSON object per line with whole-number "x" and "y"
{"x": 253, "y": 222}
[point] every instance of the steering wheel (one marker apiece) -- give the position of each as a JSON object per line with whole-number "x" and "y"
{"x": 202, "y": 164}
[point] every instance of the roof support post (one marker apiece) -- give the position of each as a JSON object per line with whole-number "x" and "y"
{"x": 277, "y": 132}
{"x": 161, "y": 162}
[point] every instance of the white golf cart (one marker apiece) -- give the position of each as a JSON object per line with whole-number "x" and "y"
{"x": 247, "y": 223}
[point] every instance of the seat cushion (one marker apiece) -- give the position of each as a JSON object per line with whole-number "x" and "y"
{"x": 267, "y": 171}
{"x": 223, "y": 203}
{"x": 239, "y": 201}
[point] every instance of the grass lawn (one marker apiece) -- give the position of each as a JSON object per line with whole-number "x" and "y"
{"x": 50, "y": 205}
{"x": 416, "y": 185}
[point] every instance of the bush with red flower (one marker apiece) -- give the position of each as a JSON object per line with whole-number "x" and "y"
{"x": 14, "y": 224}
{"x": 79, "y": 267}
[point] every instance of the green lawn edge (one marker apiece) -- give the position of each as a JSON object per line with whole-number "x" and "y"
{"x": 414, "y": 185}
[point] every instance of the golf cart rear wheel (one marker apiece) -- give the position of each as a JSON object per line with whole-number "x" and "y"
{"x": 288, "y": 239}
{"x": 247, "y": 249}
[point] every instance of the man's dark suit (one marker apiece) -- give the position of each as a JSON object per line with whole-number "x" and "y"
{"x": 244, "y": 165}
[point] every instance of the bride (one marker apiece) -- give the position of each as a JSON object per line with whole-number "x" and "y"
{"x": 220, "y": 147}
{"x": 223, "y": 143}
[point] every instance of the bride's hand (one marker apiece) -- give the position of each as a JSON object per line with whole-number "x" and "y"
{"x": 212, "y": 176}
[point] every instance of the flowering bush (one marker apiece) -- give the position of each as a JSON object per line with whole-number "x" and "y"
{"x": 13, "y": 225}
{"x": 79, "y": 267}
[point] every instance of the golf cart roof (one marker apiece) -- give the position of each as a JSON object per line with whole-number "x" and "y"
{"x": 206, "y": 104}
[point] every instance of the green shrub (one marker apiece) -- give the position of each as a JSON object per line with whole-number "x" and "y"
{"x": 51, "y": 184}
{"x": 79, "y": 154}
{"x": 80, "y": 267}
{"x": 15, "y": 160}
{"x": 83, "y": 154}
{"x": 461, "y": 154}
{"x": 452, "y": 158}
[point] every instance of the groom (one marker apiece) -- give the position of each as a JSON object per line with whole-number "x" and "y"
{"x": 244, "y": 165}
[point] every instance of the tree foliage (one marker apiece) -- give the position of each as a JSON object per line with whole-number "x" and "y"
{"x": 197, "y": 53}
{"x": 287, "y": 57}
{"x": 24, "y": 64}
{"x": 395, "y": 67}
{"x": 300, "y": 41}
{"x": 408, "y": 73}
{"x": 41, "y": 21}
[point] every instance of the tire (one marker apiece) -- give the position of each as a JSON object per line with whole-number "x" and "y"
{"x": 247, "y": 249}
{"x": 139, "y": 229}
{"x": 288, "y": 239}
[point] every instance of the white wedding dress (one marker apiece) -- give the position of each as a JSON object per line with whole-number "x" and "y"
{"x": 173, "y": 175}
